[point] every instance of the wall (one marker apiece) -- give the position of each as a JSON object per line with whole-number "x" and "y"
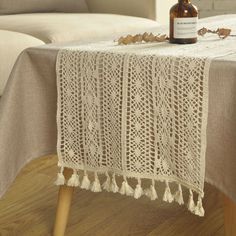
{"x": 206, "y": 8}
{"x": 163, "y": 9}
{"x": 215, "y": 7}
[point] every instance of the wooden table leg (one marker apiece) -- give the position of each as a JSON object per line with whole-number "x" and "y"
{"x": 230, "y": 216}
{"x": 63, "y": 206}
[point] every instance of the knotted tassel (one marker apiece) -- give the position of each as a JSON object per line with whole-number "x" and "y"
{"x": 107, "y": 184}
{"x": 85, "y": 182}
{"x": 179, "y": 195}
{"x": 199, "y": 210}
{"x": 74, "y": 180}
{"x": 60, "y": 178}
{"x": 96, "y": 186}
{"x": 138, "y": 192}
{"x": 126, "y": 189}
{"x": 114, "y": 186}
{"x": 191, "y": 204}
{"x": 122, "y": 189}
{"x": 167, "y": 197}
{"x": 151, "y": 193}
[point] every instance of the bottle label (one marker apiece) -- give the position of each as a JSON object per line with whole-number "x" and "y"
{"x": 185, "y": 28}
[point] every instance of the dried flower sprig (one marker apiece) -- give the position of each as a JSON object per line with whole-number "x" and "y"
{"x": 139, "y": 38}
{"x": 150, "y": 37}
{"x": 221, "y": 32}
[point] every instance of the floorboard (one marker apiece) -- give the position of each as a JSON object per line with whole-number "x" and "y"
{"x": 28, "y": 209}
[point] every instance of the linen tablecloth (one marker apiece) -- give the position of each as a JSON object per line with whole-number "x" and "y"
{"x": 28, "y": 117}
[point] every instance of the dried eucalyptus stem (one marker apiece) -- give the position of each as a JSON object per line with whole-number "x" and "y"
{"x": 139, "y": 38}
{"x": 221, "y": 32}
{"x": 150, "y": 37}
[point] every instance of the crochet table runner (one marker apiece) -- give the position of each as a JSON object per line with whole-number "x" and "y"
{"x": 136, "y": 111}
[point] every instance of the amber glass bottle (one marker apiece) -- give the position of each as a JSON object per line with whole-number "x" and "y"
{"x": 183, "y": 22}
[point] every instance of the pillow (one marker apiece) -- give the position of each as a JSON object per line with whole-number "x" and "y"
{"x": 31, "y": 6}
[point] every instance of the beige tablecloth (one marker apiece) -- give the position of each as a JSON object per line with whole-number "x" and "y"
{"x": 28, "y": 117}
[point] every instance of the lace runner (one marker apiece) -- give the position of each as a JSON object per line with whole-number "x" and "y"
{"x": 136, "y": 111}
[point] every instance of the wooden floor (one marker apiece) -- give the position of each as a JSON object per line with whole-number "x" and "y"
{"x": 28, "y": 209}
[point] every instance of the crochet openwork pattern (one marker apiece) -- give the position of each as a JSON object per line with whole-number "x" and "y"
{"x": 135, "y": 115}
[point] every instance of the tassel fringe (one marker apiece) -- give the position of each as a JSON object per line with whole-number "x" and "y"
{"x": 96, "y": 186}
{"x": 151, "y": 193}
{"x": 60, "y": 178}
{"x": 114, "y": 186}
{"x": 122, "y": 189}
{"x": 110, "y": 185}
{"x": 126, "y": 189}
{"x": 179, "y": 195}
{"x": 85, "y": 182}
{"x": 74, "y": 180}
{"x": 138, "y": 192}
{"x": 191, "y": 204}
{"x": 199, "y": 210}
{"x": 107, "y": 184}
{"x": 167, "y": 197}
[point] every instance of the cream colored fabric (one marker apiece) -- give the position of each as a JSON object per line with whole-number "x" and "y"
{"x": 137, "y": 111}
{"x": 30, "y": 6}
{"x": 136, "y": 114}
{"x": 11, "y": 45}
{"x": 59, "y": 27}
{"x": 141, "y": 8}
